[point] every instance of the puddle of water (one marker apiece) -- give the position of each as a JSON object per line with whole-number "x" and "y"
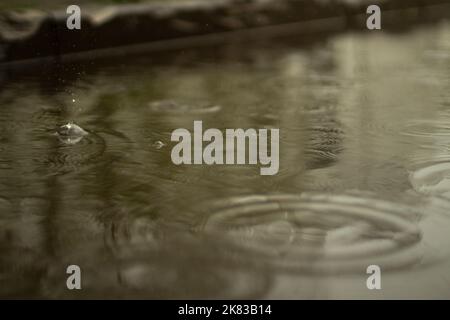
{"x": 364, "y": 172}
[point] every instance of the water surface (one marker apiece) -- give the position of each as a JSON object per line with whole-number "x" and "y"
{"x": 364, "y": 172}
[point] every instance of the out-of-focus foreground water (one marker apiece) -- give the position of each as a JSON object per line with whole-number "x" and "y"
{"x": 364, "y": 174}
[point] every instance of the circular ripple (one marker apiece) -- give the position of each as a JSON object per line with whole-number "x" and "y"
{"x": 323, "y": 145}
{"x": 178, "y": 268}
{"x": 69, "y": 157}
{"x": 173, "y": 107}
{"x": 428, "y": 128}
{"x": 433, "y": 179}
{"x": 319, "y": 233}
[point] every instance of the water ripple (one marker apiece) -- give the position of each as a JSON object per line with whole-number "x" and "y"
{"x": 70, "y": 155}
{"x": 433, "y": 179}
{"x": 173, "y": 107}
{"x": 428, "y": 128}
{"x": 319, "y": 233}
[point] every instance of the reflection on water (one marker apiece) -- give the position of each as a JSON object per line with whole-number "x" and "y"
{"x": 364, "y": 173}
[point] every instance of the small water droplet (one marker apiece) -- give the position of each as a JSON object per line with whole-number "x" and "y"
{"x": 159, "y": 144}
{"x": 71, "y": 133}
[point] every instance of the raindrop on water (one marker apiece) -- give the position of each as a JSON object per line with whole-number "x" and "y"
{"x": 159, "y": 144}
{"x": 71, "y": 133}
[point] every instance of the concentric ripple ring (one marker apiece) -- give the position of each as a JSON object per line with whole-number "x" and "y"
{"x": 317, "y": 232}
